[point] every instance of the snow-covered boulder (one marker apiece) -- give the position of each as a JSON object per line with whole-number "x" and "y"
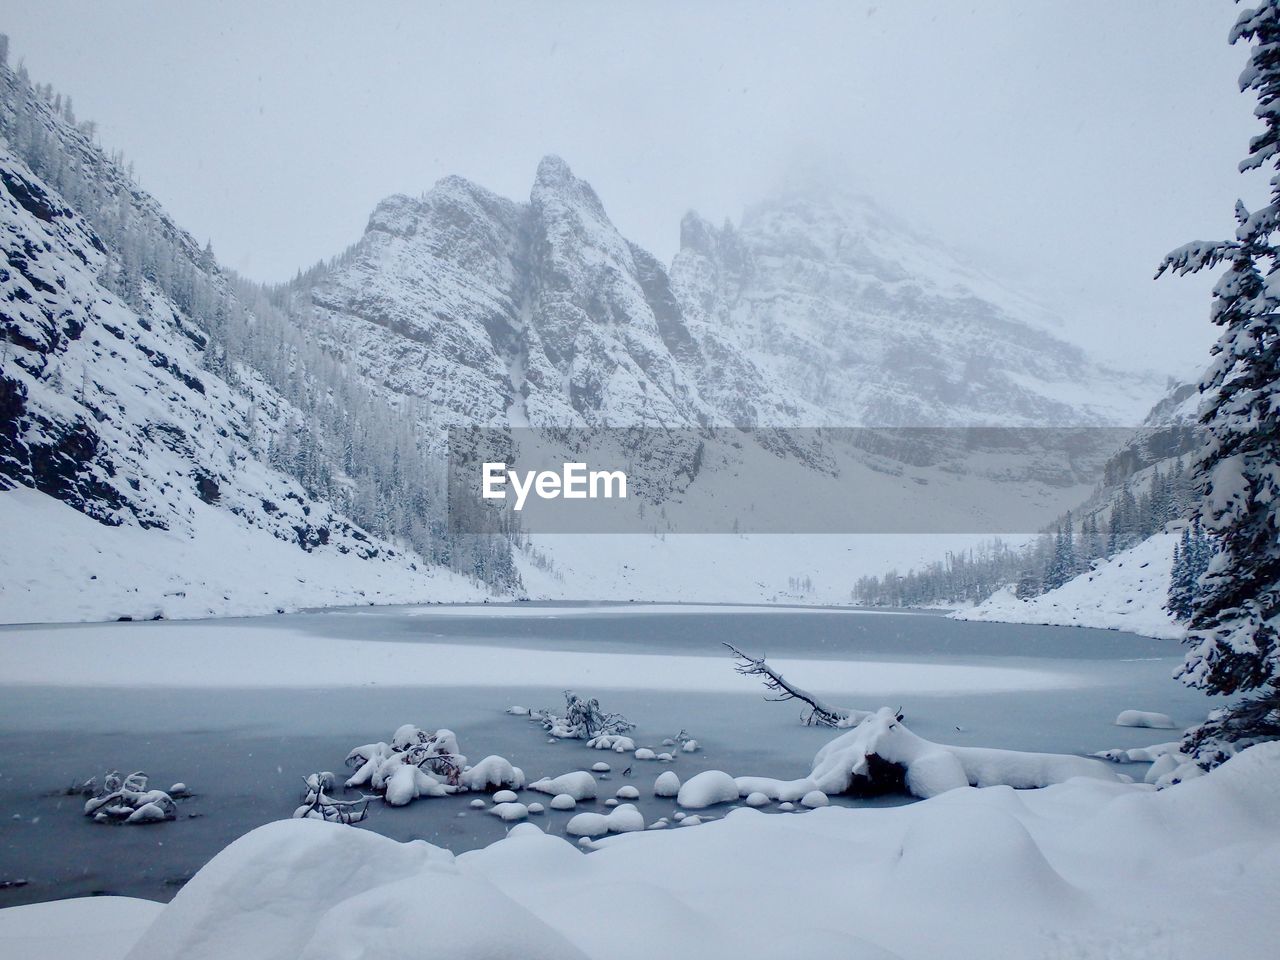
{"x": 1140, "y": 754}
{"x": 881, "y": 753}
{"x": 757, "y": 799}
{"x": 127, "y": 800}
{"x": 612, "y": 741}
{"x": 814, "y": 799}
{"x": 667, "y": 784}
{"x": 509, "y": 811}
{"x": 624, "y": 818}
{"x": 580, "y": 785}
{"x": 492, "y": 773}
{"x": 407, "y": 783}
{"x": 706, "y": 789}
{"x": 1145, "y": 718}
{"x": 788, "y": 790}
{"x": 563, "y": 801}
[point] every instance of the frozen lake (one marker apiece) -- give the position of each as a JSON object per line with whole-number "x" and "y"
{"x": 242, "y": 710}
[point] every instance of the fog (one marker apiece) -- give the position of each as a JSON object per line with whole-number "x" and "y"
{"x": 1064, "y": 147}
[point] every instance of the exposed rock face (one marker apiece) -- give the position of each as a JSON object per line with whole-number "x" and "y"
{"x": 870, "y": 324}
{"x": 812, "y": 312}
{"x": 503, "y": 313}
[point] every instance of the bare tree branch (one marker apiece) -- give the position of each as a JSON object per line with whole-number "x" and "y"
{"x": 820, "y": 714}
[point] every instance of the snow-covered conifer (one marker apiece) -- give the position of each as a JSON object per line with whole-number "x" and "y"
{"x": 1234, "y": 647}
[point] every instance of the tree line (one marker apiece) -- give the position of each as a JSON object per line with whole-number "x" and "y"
{"x": 1070, "y": 546}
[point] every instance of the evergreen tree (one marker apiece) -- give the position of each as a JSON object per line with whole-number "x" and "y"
{"x": 1233, "y": 639}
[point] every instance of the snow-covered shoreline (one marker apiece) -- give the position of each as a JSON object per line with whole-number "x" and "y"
{"x": 1086, "y": 868}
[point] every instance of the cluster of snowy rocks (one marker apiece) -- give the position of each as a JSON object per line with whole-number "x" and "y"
{"x": 1091, "y": 868}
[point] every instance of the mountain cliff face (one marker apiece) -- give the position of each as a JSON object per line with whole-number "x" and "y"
{"x": 501, "y": 313}
{"x": 869, "y": 323}
{"x": 812, "y": 312}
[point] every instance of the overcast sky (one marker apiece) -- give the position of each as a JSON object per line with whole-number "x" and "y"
{"x": 1066, "y": 146}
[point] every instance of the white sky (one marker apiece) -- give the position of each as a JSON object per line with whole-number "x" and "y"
{"x": 1065, "y": 145}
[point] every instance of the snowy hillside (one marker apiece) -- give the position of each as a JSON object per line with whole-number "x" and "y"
{"x": 1127, "y": 592}
{"x": 110, "y": 404}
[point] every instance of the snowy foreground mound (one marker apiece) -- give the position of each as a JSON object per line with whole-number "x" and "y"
{"x": 1127, "y": 592}
{"x": 1084, "y": 869}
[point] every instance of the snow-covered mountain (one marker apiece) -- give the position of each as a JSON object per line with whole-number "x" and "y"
{"x": 865, "y": 322}
{"x": 145, "y": 386}
{"x": 813, "y": 312}
{"x": 502, "y": 313}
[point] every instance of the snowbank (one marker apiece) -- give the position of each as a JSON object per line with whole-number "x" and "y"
{"x": 1127, "y": 592}
{"x": 72, "y": 568}
{"x": 1088, "y": 869}
{"x": 103, "y": 928}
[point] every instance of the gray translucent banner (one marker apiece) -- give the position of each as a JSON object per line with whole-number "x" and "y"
{"x": 770, "y": 480}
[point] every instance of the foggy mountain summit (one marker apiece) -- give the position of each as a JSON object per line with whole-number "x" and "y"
{"x": 812, "y": 311}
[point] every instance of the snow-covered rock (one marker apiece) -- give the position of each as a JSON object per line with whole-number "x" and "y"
{"x": 882, "y": 749}
{"x": 580, "y": 785}
{"x": 814, "y": 799}
{"x": 1095, "y": 869}
{"x": 1145, "y": 718}
{"x": 612, "y": 741}
{"x": 624, "y": 818}
{"x": 563, "y": 801}
{"x": 706, "y": 789}
{"x": 492, "y": 772}
{"x": 509, "y": 811}
{"x": 667, "y": 784}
